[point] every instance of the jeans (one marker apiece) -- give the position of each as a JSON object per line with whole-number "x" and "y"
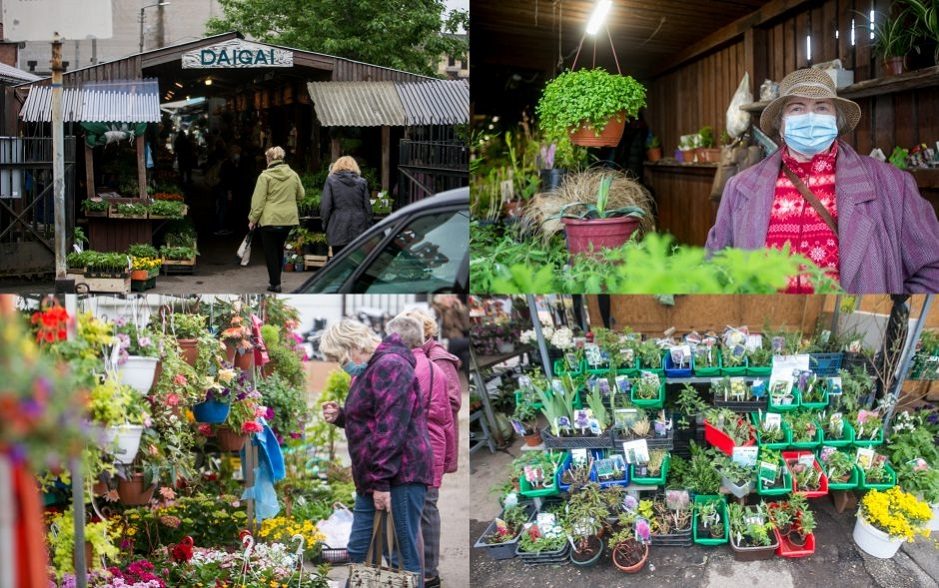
{"x": 430, "y": 532}
{"x": 407, "y": 503}
{"x": 272, "y": 240}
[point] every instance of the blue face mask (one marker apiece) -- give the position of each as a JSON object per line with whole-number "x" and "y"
{"x": 354, "y": 369}
{"x": 810, "y": 133}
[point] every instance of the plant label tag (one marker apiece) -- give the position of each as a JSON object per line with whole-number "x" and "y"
{"x": 519, "y": 428}
{"x": 578, "y": 456}
{"x": 582, "y": 418}
{"x": 557, "y": 386}
{"x": 918, "y": 464}
{"x": 564, "y": 422}
{"x": 534, "y": 475}
{"x": 545, "y": 520}
{"x": 595, "y": 427}
{"x": 738, "y": 389}
{"x": 494, "y": 384}
{"x": 643, "y": 531}
{"x": 593, "y": 355}
{"x": 507, "y": 190}
{"x": 864, "y": 457}
{"x": 807, "y": 459}
{"x": 677, "y": 499}
{"x": 758, "y": 389}
{"x": 834, "y": 386}
{"x": 767, "y": 471}
{"x": 745, "y": 456}
{"x": 573, "y": 362}
{"x": 772, "y": 421}
{"x": 636, "y": 451}
{"x": 604, "y": 468}
{"x": 681, "y": 355}
{"x": 826, "y": 452}
{"x": 754, "y": 342}
{"x": 579, "y": 342}
{"x": 524, "y": 382}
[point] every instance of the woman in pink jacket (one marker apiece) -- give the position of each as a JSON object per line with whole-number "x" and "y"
{"x": 433, "y": 385}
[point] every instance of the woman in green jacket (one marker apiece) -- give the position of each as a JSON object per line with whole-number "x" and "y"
{"x": 274, "y": 211}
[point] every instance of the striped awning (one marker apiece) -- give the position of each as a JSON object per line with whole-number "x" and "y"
{"x": 136, "y": 101}
{"x": 396, "y": 104}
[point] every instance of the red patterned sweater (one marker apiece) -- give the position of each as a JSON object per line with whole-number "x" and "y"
{"x": 793, "y": 220}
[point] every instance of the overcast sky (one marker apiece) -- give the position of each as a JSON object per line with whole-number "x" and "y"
{"x": 457, "y": 4}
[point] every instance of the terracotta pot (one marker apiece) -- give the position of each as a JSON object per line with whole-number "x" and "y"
{"x": 654, "y": 154}
{"x": 512, "y": 208}
{"x": 609, "y": 137}
{"x": 228, "y": 440}
{"x": 133, "y": 492}
{"x": 603, "y": 233}
{"x": 99, "y": 489}
{"x": 625, "y": 567}
{"x": 533, "y": 440}
{"x": 190, "y": 349}
{"x": 288, "y": 267}
{"x": 243, "y": 361}
{"x": 688, "y": 155}
{"x": 894, "y": 66}
{"x": 140, "y": 275}
{"x": 708, "y": 154}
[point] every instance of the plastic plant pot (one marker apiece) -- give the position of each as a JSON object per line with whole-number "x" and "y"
{"x": 779, "y": 407}
{"x": 734, "y": 370}
{"x": 783, "y": 487}
{"x": 787, "y": 549}
{"x": 657, "y": 480}
{"x": 847, "y": 437}
{"x": 851, "y": 484}
{"x": 626, "y": 568}
{"x": 211, "y": 412}
{"x": 500, "y": 551}
{"x": 707, "y": 372}
{"x": 127, "y": 439}
{"x": 673, "y": 371}
{"x": 737, "y": 490}
{"x": 137, "y": 372}
{"x": 863, "y": 484}
{"x": 704, "y": 538}
{"x": 754, "y": 553}
{"x": 873, "y": 541}
{"x": 656, "y": 402}
{"x": 787, "y": 434}
{"x": 593, "y": 235}
{"x": 721, "y": 440}
{"x": 823, "y": 480}
{"x": 815, "y": 442}
{"x": 868, "y": 442}
{"x": 822, "y": 405}
{"x": 592, "y": 561}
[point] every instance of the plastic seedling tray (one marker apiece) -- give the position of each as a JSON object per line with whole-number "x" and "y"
{"x": 822, "y": 405}
{"x": 705, "y": 538}
{"x": 653, "y": 442}
{"x": 559, "y": 556}
{"x": 780, "y": 489}
{"x": 499, "y": 551}
{"x": 774, "y": 407}
{"x": 679, "y": 539}
{"x": 656, "y": 481}
{"x": 815, "y": 442}
{"x": 787, "y": 549}
{"x": 825, "y": 364}
{"x": 868, "y": 442}
{"x": 657, "y": 402}
{"x": 525, "y": 489}
{"x": 787, "y": 434}
{"x": 847, "y": 437}
{"x": 734, "y": 370}
{"x": 823, "y": 482}
{"x": 707, "y": 372}
{"x": 673, "y": 371}
{"x": 863, "y": 484}
{"x": 602, "y": 441}
{"x": 721, "y": 440}
{"x": 851, "y": 484}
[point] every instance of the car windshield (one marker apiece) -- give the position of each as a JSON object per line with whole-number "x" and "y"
{"x": 335, "y": 275}
{"x": 425, "y": 256}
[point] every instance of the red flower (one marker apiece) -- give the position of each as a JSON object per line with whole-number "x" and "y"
{"x": 251, "y": 427}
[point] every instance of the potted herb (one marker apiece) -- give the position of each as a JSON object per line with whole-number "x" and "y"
{"x": 893, "y": 39}
{"x": 806, "y": 434}
{"x": 651, "y": 357}
{"x": 586, "y": 512}
{"x": 735, "y": 477}
{"x": 710, "y": 523}
{"x": 590, "y": 226}
{"x": 781, "y": 516}
{"x": 653, "y": 148}
{"x": 868, "y": 428}
{"x": 590, "y": 105}
{"x": 751, "y": 535}
{"x": 725, "y": 430}
{"x": 803, "y": 527}
{"x": 178, "y": 252}
{"x": 706, "y": 152}
{"x": 734, "y": 362}
{"x": 810, "y": 479}
{"x": 629, "y": 554}
{"x": 527, "y": 415}
{"x": 813, "y": 391}
{"x": 168, "y": 209}
{"x": 671, "y": 522}
{"x": 841, "y": 470}
{"x": 887, "y": 519}
{"x": 77, "y": 261}
{"x": 648, "y": 391}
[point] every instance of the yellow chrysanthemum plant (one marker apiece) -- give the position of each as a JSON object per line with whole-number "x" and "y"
{"x": 283, "y": 529}
{"x": 897, "y": 513}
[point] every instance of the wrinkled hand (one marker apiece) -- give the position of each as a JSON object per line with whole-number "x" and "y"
{"x": 382, "y": 500}
{"x": 330, "y": 412}
{"x": 251, "y": 226}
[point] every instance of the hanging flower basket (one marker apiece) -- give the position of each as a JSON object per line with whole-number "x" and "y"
{"x": 190, "y": 350}
{"x": 229, "y": 440}
{"x": 138, "y": 372}
{"x": 211, "y": 412}
{"x": 127, "y": 440}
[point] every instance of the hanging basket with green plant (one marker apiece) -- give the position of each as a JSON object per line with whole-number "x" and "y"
{"x": 590, "y": 105}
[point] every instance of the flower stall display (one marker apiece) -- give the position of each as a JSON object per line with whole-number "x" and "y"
{"x": 888, "y": 518}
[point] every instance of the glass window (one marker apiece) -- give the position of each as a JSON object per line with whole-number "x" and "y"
{"x": 333, "y": 277}
{"x": 425, "y": 256}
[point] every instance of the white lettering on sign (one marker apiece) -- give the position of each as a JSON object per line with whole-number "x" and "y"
{"x": 237, "y": 53}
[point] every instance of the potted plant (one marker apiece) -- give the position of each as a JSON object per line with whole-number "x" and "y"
{"x": 527, "y": 415}
{"x": 137, "y": 482}
{"x": 653, "y": 148}
{"x": 142, "y": 268}
{"x": 751, "y": 535}
{"x": 813, "y": 391}
{"x": 707, "y": 361}
{"x": 725, "y": 430}
{"x": 651, "y": 357}
{"x": 841, "y": 471}
{"x": 868, "y": 428}
{"x": 772, "y": 436}
{"x": 551, "y": 176}
{"x": 710, "y": 523}
{"x": 61, "y": 539}
{"x": 239, "y": 351}
{"x": 760, "y": 361}
{"x": 119, "y": 411}
{"x": 629, "y": 554}
{"x": 893, "y": 39}
{"x": 500, "y": 539}
{"x": 591, "y": 227}
{"x": 188, "y": 328}
{"x": 810, "y": 480}
{"x": 772, "y": 482}
{"x": 138, "y": 356}
{"x": 806, "y": 434}
{"x": 543, "y": 542}
{"x": 652, "y": 472}
{"x": 888, "y": 518}
{"x": 648, "y": 391}
{"x": 736, "y": 478}
{"x": 107, "y": 265}
{"x": 95, "y": 207}
{"x": 706, "y": 151}
{"x": 586, "y": 513}
{"x": 590, "y": 105}
{"x": 671, "y": 522}
{"x": 803, "y": 527}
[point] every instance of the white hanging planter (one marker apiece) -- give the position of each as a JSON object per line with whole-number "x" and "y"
{"x": 874, "y": 541}
{"x": 124, "y": 442}
{"x": 138, "y": 372}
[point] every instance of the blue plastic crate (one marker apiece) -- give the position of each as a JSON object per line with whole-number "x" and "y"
{"x": 826, "y": 364}
{"x": 674, "y": 372}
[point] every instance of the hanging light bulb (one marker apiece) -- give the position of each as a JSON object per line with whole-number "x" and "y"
{"x": 208, "y": 81}
{"x": 600, "y": 11}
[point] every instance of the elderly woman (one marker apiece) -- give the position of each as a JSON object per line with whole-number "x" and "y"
{"x": 274, "y": 208}
{"x": 385, "y": 419}
{"x": 862, "y": 221}
{"x": 345, "y": 207}
{"x": 433, "y": 384}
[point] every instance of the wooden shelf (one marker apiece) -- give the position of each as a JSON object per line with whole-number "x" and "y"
{"x": 674, "y": 163}
{"x": 926, "y": 178}
{"x": 913, "y": 80}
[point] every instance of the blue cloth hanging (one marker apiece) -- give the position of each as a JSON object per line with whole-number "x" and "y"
{"x": 270, "y": 469}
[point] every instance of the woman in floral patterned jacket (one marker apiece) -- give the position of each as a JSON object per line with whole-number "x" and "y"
{"x": 386, "y": 428}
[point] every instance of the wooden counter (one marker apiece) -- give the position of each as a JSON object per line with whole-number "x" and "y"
{"x": 682, "y": 197}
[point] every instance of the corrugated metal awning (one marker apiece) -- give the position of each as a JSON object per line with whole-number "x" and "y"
{"x": 435, "y": 102}
{"x": 396, "y": 104}
{"x": 15, "y": 75}
{"x": 357, "y": 104}
{"x": 134, "y": 101}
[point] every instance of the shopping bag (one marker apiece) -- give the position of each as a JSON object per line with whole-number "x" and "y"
{"x": 371, "y": 573}
{"x": 244, "y": 250}
{"x": 337, "y": 528}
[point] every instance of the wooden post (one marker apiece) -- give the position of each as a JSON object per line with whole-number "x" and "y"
{"x": 141, "y": 167}
{"x": 89, "y": 170}
{"x": 385, "y": 158}
{"x": 334, "y": 150}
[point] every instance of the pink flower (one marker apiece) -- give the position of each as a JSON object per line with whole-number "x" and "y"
{"x": 173, "y": 399}
{"x": 205, "y": 430}
{"x": 251, "y": 427}
{"x": 181, "y": 380}
{"x": 167, "y": 493}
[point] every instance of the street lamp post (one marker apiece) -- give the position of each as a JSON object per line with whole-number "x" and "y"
{"x": 141, "y": 19}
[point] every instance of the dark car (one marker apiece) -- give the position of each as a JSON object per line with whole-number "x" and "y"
{"x": 424, "y": 247}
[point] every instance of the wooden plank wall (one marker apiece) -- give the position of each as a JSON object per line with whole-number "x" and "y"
{"x": 698, "y": 93}
{"x": 703, "y": 313}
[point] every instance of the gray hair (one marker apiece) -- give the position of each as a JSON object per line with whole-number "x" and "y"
{"x": 409, "y": 329}
{"x": 274, "y": 154}
{"x": 839, "y": 117}
{"x": 341, "y": 338}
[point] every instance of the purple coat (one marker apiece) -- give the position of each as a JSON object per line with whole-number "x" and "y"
{"x": 386, "y": 424}
{"x": 888, "y": 234}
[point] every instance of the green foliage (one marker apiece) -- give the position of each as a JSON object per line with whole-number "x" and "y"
{"x": 168, "y": 208}
{"x": 212, "y": 521}
{"x": 62, "y": 544}
{"x": 95, "y": 205}
{"x": 288, "y": 403}
{"x": 285, "y": 360}
{"x": 178, "y": 253}
{"x": 79, "y": 260}
{"x": 589, "y": 97}
{"x": 398, "y": 34}
{"x": 105, "y": 262}
{"x": 696, "y": 474}
{"x": 143, "y": 250}
{"x": 319, "y": 432}
{"x": 707, "y": 137}
{"x": 690, "y": 404}
{"x": 188, "y": 326}
{"x": 132, "y": 209}
{"x": 598, "y": 210}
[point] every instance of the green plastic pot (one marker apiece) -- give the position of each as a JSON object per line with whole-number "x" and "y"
{"x": 658, "y": 402}
{"x": 787, "y": 434}
{"x": 851, "y": 484}
{"x": 656, "y": 481}
{"x": 845, "y": 442}
{"x": 815, "y": 405}
{"x": 707, "y": 539}
{"x": 863, "y": 484}
{"x": 739, "y": 370}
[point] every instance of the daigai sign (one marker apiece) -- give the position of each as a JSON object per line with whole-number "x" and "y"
{"x": 237, "y": 53}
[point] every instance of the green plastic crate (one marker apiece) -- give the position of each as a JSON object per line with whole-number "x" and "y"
{"x": 707, "y": 540}
{"x": 879, "y": 440}
{"x": 809, "y": 444}
{"x": 525, "y": 489}
{"x": 708, "y": 372}
{"x": 851, "y": 484}
{"x": 658, "y": 480}
{"x": 816, "y": 405}
{"x": 846, "y": 442}
{"x": 787, "y": 434}
{"x": 759, "y": 371}
{"x": 654, "y": 403}
{"x": 739, "y": 370}
{"x": 781, "y": 490}
{"x": 863, "y": 484}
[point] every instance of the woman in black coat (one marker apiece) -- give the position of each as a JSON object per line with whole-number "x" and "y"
{"x": 346, "y": 208}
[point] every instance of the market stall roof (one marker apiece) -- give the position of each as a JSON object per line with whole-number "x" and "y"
{"x": 370, "y": 104}
{"x": 12, "y": 75}
{"x": 133, "y": 101}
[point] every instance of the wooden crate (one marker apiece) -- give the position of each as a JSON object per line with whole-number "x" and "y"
{"x": 185, "y": 212}
{"x": 314, "y": 261}
{"x": 104, "y": 285}
{"x": 173, "y": 266}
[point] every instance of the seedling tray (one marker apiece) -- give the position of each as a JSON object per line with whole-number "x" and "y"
{"x": 657, "y": 402}
{"x": 544, "y": 557}
{"x": 701, "y": 499}
{"x": 879, "y": 440}
{"x": 722, "y": 441}
{"x": 863, "y": 484}
{"x": 851, "y": 484}
{"x": 666, "y": 442}
{"x": 602, "y": 441}
{"x": 823, "y": 482}
{"x": 673, "y": 371}
{"x": 680, "y": 539}
{"x": 787, "y": 549}
{"x": 707, "y": 372}
{"x": 846, "y": 440}
{"x": 499, "y": 551}
{"x": 657, "y": 480}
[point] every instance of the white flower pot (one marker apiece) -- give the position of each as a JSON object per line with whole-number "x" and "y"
{"x": 138, "y": 372}
{"x": 934, "y": 521}
{"x": 874, "y": 541}
{"x": 127, "y": 441}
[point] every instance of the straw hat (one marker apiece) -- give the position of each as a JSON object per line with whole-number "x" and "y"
{"x": 809, "y": 83}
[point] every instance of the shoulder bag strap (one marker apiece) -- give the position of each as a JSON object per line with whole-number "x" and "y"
{"x": 812, "y": 199}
